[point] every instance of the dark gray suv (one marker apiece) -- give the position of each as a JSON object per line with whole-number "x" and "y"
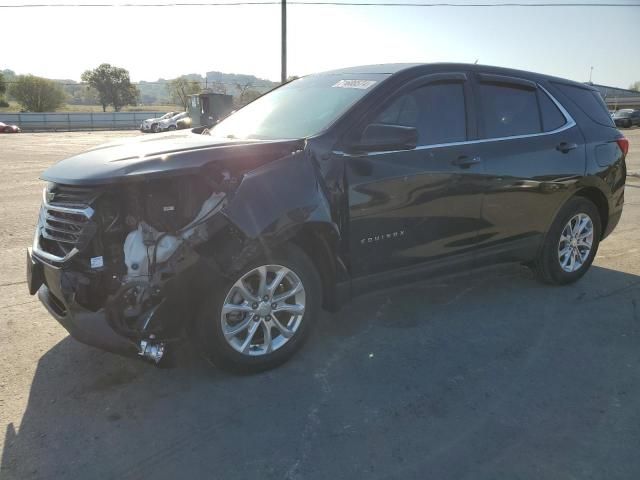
{"x": 327, "y": 187}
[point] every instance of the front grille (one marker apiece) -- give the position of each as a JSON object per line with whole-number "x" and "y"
{"x": 67, "y": 196}
{"x": 66, "y": 223}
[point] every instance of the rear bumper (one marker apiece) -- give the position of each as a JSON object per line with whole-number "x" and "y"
{"x": 91, "y": 328}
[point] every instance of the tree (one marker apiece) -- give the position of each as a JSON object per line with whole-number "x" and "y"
{"x": 218, "y": 87}
{"x": 180, "y": 88}
{"x": 635, "y": 86}
{"x": 246, "y": 97}
{"x": 113, "y": 86}
{"x": 37, "y": 94}
{"x": 3, "y": 85}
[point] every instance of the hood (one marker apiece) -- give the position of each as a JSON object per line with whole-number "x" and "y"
{"x": 173, "y": 153}
{"x": 151, "y": 120}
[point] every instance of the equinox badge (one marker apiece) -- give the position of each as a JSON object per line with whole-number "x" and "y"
{"x": 382, "y": 236}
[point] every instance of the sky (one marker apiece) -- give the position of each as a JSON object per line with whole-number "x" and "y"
{"x": 165, "y": 42}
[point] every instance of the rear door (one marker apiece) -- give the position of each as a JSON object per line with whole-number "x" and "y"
{"x": 532, "y": 153}
{"x": 408, "y": 207}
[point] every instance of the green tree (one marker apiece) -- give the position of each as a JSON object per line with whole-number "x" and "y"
{"x": 180, "y": 88}
{"x": 113, "y": 86}
{"x": 37, "y": 94}
{"x": 635, "y": 86}
{"x": 3, "y": 89}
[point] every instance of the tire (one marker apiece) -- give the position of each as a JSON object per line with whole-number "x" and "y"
{"x": 628, "y": 124}
{"x": 240, "y": 354}
{"x": 171, "y": 127}
{"x": 548, "y": 266}
{"x": 154, "y": 128}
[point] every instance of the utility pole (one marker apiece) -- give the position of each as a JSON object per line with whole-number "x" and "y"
{"x": 283, "y": 74}
{"x": 591, "y": 75}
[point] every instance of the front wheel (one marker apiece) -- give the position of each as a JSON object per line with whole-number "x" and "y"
{"x": 259, "y": 318}
{"x": 571, "y": 243}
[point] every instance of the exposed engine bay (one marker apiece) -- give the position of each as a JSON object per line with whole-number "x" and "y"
{"x": 140, "y": 236}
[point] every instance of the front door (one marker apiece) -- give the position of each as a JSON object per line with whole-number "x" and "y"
{"x": 411, "y": 206}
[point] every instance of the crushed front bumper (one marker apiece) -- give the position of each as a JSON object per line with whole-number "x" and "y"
{"x": 86, "y": 326}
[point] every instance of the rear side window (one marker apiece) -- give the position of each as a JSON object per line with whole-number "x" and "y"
{"x": 589, "y": 101}
{"x": 508, "y": 110}
{"x": 437, "y": 111}
{"x": 552, "y": 117}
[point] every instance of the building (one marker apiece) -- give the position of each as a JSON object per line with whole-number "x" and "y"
{"x": 206, "y": 109}
{"x": 617, "y": 98}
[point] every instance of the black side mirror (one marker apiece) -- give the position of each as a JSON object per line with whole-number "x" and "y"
{"x": 383, "y": 137}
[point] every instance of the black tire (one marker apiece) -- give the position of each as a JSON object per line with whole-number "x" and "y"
{"x": 171, "y": 127}
{"x": 547, "y": 265}
{"x": 208, "y": 325}
{"x": 154, "y": 128}
{"x": 629, "y": 124}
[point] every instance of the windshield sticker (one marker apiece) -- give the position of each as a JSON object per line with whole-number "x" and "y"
{"x": 361, "y": 84}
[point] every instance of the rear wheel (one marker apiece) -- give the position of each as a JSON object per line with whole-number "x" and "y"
{"x": 571, "y": 243}
{"x": 172, "y": 127}
{"x": 261, "y": 317}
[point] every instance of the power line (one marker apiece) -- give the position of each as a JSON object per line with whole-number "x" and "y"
{"x": 319, "y": 2}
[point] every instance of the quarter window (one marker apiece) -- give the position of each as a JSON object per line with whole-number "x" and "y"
{"x": 508, "y": 110}
{"x": 552, "y": 117}
{"x": 436, "y": 110}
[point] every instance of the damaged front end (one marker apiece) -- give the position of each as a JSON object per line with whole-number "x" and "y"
{"x": 117, "y": 264}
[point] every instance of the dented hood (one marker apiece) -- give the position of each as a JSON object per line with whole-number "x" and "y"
{"x": 174, "y": 153}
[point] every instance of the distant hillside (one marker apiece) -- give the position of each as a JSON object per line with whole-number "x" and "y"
{"x": 155, "y": 92}
{"x": 229, "y": 83}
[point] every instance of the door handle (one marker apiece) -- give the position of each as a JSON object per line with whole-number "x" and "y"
{"x": 565, "y": 147}
{"x": 465, "y": 162}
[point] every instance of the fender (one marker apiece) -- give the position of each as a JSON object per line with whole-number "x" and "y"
{"x": 273, "y": 204}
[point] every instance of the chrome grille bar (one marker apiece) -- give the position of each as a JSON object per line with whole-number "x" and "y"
{"x": 63, "y": 224}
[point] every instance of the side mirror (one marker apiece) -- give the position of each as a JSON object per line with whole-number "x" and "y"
{"x": 384, "y": 137}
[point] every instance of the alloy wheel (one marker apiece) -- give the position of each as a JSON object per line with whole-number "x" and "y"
{"x": 263, "y": 310}
{"x": 575, "y": 243}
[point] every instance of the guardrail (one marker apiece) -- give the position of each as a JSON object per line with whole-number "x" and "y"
{"x": 78, "y": 121}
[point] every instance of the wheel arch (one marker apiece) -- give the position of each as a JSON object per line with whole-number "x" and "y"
{"x": 320, "y": 242}
{"x": 598, "y": 198}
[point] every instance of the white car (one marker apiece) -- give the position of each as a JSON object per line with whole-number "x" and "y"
{"x": 177, "y": 122}
{"x": 151, "y": 124}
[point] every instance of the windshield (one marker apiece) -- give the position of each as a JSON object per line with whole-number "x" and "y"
{"x": 623, "y": 113}
{"x": 167, "y": 115}
{"x": 298, "y": 109}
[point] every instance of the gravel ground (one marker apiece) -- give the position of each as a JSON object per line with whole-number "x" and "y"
{"x": 484, "y": 375}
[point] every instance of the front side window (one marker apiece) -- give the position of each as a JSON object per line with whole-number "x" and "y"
{"x": 508, "y": 110}
{"x": 437, "y": 111}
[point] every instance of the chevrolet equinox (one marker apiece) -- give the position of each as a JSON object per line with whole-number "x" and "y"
{"x": 327, "y": 187}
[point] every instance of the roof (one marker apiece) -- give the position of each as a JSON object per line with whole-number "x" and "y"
{"x": 388, "y": 68}
{"x": 394, "y": 68}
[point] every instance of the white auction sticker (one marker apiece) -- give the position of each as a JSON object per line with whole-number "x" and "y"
{"x": 97, "y": 262}
{"x": 361, "y": 84}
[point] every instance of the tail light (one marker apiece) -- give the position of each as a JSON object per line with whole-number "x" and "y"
{"x": 623, "y": 143}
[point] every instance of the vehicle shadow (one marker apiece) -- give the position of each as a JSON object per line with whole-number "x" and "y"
{"x": 482, "y": 375}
